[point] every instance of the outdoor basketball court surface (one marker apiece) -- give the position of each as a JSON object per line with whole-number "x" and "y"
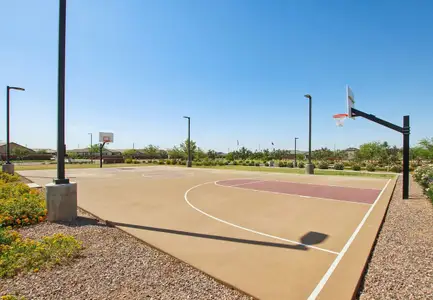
{"x": 273, "y": 236}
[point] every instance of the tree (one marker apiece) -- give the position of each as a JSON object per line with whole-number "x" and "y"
{"x": 152, "y": 152}
{"x": 176, "y": 153}
{"x": 372, "y": 151}
{"x": 20, "y": 152}
{"x": 211, "y": 154}
{"x": 130, "y": 153}
{"x": 322, "y": 154}
{"x": 184, "y": 148}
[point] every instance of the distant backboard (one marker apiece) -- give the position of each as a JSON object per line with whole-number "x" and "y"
{"x": 106, "y": 137}
{"x": 350, "y": 101}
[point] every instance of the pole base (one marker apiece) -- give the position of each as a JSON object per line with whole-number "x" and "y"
{"x": 189, "y": 163}
{"x": 61, "y": 201}
{"x": 8, "y": 168}
{"x": 309, "y": 169}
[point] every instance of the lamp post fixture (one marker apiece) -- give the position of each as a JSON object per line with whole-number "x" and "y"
{"x": 91, "y": 147}
{"x": 189, "y": 162}
{"x": 295, "y": 164}
{"x": 309, "y": 168}
{"x": 9, "y": 168}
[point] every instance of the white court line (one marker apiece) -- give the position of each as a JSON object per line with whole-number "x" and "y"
{"x": 287, "y": 194}
{"x": 239, "y": 184}
{"x": 247, "y": 229}
{"x": 334, "y": 265}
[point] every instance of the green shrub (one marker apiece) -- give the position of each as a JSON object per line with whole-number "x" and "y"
{"x": 199, "y": 163}
{"x": 370, "y": 168}
{"x": 338, "y": 166}
{"x": 244, "y": 163}
{"x": 220, "y": 163}
{"x": 413, "y": 165}
{"x": 235, "y": 163}
{"x": 31, "y": 255}
{"x": 266, "y": 164}
{"x": 356, "y": 167}
{"x": 363, "y": 164}
{"x": 6, "y": 177}
{"x": 128, "y": 160}
{"x": 396, "y": 168}
{"x": 174, "y": 161}
{"x": 168, "y": 162}
{"x": 251, "y": 164}
{"x": 347, "y": 163}
{"x": 135, "y": 161}
{"x": 301, "y": 164}
{"x": 257, "y": 164}
{"x": 423, "y": 175}
{"x": 161, "y": 162}
{"x": 290, "y": 164}
{"x": 13, "y": 297}
{"x": 429, "y": 192}
{"x": 323, "y": 165}
{"x": 282, "y": 164}
{"x": 226, "y": 162}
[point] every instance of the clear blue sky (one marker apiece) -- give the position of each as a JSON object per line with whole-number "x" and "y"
{"x": 238, "y": 68}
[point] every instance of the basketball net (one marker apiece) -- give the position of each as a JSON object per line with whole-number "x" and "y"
{"x": 339, "y": 119}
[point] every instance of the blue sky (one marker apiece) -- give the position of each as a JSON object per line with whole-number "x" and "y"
{"x": 238, "y": 68}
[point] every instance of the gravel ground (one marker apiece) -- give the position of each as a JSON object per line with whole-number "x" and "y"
{"x": 113, "y": 265}
{"x": 401, "y": 266}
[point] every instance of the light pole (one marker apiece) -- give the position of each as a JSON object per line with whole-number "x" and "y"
{"x": 91, "y": 147}
{"x": 309, "y": 168}
{"x": 295, "y": 164}
{"x": 189, "y": 162}
{"x": 9, "y": 169}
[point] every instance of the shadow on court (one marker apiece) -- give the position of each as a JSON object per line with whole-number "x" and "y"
{"x": 311, "y": 238}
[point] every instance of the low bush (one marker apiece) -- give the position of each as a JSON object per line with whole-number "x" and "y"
{"x": 429, "y": 192}
{"x": 257, "y": 164}
{"x": 363, "y": 164}
{"x": 135, "y": 161}
{"x": 423, "y": 175}
{"x": 174, "y": 162}
{"x": 235, "y": 163}
{"x": 26, "y": 255}
{"x": 7, "y": 178}
{"x": 19, "y": 205}
{"x": 282, "y": 164}
{"x": 266, "y": 164}
{"x": 244, "y": 163}
{"x": 396, "y": 168}
{"x": 161, "y": 162}
{"x": 323, "y": 165}
{"x": 168, "y": 162}
{"x": 220, "y": 163}
{"x": 251, "y": 164}
{"x": 356, "y": 167}
{"x": 370, "y": 168}
{"x": 226, "y": 162}
{"x": 338, "y": 166}
{"x": 290, "y": 164}
{"x": 301, "y": 164}
{"x": 347, "y": 163}
{"x": 12, "y": 297}
{"x": 199, "y": 163}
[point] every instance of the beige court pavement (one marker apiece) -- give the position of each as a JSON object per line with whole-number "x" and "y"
{"x": 271, "y": 246}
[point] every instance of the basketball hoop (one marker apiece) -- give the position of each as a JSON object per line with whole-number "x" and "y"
{"x": 339, "y": 119}
{"x": 106, "y": 139}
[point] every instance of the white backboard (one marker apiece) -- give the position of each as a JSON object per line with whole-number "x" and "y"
{"x": 106, "y": 137}
{"x": 350, "y": 101}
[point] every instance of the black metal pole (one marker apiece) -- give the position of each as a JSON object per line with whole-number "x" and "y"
{"x": 61, "y": 97}
{"x": 406, "y": 150}
{"x": 7, "y": 126}
{"x": 189, "y": 142}
{"x": 309, "y": 131}
{"x": 101, "y": 146}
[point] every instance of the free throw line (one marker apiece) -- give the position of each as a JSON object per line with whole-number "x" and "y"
{"x": 244, "y": 228}
{"x": 337, "y": 260}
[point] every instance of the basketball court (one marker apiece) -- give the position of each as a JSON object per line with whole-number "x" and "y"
{"x": 273, "y": 236}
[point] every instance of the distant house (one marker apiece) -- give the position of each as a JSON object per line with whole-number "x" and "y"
{"x": 86, "y": 152}
{"x": 351, "y": 152}
{"x": 13, "y": 146}
{"x": 45, "y": 150}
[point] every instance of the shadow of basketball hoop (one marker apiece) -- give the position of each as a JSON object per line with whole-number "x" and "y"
{"x": 313, "y": 238}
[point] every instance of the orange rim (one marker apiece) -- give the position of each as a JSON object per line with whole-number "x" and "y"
{"x": 338, "y": 116}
